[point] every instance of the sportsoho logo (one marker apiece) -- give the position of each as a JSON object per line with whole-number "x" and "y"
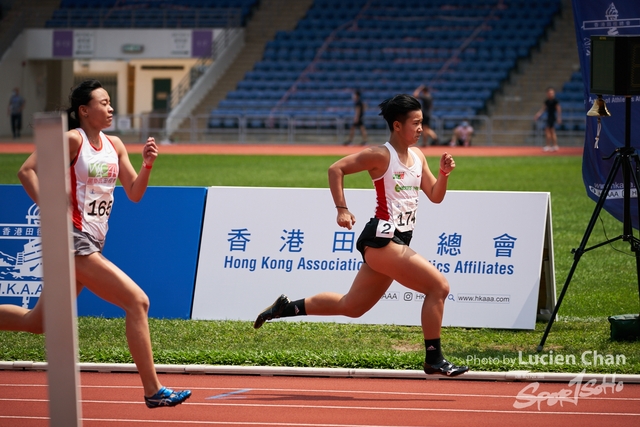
{"x": 530, "y": 396}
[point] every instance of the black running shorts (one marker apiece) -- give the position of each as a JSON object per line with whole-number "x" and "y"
{"x": 368, "y": 237}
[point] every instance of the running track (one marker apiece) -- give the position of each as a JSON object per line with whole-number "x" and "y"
{"x": 115, "y": 399}
{"x": 308, "y": 150}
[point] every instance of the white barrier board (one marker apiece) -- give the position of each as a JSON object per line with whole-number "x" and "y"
{"x": 258, "y": 243}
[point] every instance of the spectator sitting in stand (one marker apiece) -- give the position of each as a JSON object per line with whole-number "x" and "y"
{"x": 462, "y": 135}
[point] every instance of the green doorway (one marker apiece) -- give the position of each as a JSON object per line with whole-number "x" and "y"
{"x": 161, "y": 92}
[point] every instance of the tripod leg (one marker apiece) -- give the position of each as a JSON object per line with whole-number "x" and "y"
{"x": 583, "y": 244}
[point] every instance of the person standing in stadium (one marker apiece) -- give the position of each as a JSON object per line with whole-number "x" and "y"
{"x": 399, "y": 171}
{"x": 423, "y": 95}
{"x": 14, "y": 110}
{"x": 97, "y": 162}
{"x": 554, "y": 115}
{"x": 358, "y": 119}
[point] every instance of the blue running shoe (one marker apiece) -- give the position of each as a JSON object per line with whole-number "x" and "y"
{"x": 167, "y": 397}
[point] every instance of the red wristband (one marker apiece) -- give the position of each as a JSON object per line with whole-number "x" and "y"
{"x": 146, "y": 166}
{"x": 444, "y": 173}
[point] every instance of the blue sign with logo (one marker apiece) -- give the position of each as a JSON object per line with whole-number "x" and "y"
{"x": 156, "y": 242}
{"x": 606, "y": 18}
{"x": 20, "y": 248}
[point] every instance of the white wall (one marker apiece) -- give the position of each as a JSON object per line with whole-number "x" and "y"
{"x": 108, "y": 43}
{"x": 25, "y": 65}
{"x": 30, "y": 78}
{"x": 143, "y": 82}
{"x": 143, "y": 101}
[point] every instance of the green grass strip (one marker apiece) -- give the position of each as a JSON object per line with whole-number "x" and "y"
{"x": 605, "y": 283}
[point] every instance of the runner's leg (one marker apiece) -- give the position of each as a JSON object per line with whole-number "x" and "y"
{"x": 366, "y": 290}
{"x": 412, "y": 270}
{"x": 14, "y": 318}
{"x": 107, "y": 281}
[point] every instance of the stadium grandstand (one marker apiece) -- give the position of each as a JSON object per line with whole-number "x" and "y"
{"x": 572, "y": 100}
{"x": 485, "y": 61}
{"x": 151, "y": 14}
{"x": 462, "y": 50}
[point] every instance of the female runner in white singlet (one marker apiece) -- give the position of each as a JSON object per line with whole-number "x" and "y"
{"x": 399, "y": 171}
{"x": 98, "y": 162}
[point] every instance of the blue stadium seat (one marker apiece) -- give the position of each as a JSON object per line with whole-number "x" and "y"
{"x": 142, "y": 13}
{"x": 382, "y": 52}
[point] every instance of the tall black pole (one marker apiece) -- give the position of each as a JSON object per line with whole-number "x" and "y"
{"x": 626, "y": 174}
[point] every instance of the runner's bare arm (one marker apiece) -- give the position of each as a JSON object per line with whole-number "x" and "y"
{"x": 28, "y": 172}
{"x": 28, "y": 176}
{"x": 436, "y": 188}
{"x": 135, "y": 184}
{"x": 370, "y": 159}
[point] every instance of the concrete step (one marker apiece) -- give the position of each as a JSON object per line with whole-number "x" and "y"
{"x": 551, "y": 65}
{"x": 272, "y": 16}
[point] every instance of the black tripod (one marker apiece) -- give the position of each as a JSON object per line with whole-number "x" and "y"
{"x": 623, "y": 156}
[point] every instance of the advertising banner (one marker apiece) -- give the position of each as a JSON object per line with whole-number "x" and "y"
{"x": 606, "y": 18}
{"x": 155, "y": 242}
{"x": 20, "y": 248}
{"x": 258, "y": 243}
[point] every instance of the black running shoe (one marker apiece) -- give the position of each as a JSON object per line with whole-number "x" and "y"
{"x": 274, "y": 311}
{"x": 445, "y": 368}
